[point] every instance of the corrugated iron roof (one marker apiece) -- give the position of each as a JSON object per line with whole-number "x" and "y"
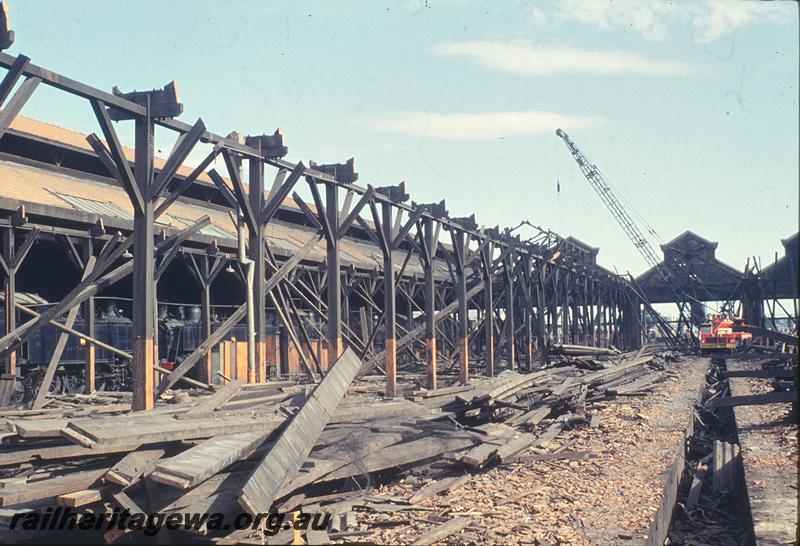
{"x": 48, "y": 186}
{"x": 103, "y": 208}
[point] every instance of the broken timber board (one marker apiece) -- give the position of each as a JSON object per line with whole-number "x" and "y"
{"x": 439, "y": 486}
{"x": 335, "y": 457}
{"x": 696, "y": 488}
{"x": 202, "y": 461}
{"x": 549, "y": 434}
{"x": 58, "y": 452}
{"x": 402, "y": 454}
{"x": 53, "y": 487}
{"x": 83, "y": 497}
{"x": 442, "y": 531}
{"x": 132, "y": 466}
{"x": 515, "y": 446}
{"x": 530, "y": 418}
{"x": 215, "y": 401}
{"x": 478, "y": 455}
{"x": 286, "y": 457}
{"x": 164, "y": 430}
{"x": 567, "y": 455}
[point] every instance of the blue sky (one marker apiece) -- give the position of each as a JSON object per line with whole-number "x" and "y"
{"x": 690, "y": 109}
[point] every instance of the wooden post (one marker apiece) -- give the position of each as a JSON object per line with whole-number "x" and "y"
{"x": 528, "y": 313}
{"x": 144, "y": 330}
{"x": 488, "y": 301}
{"x": 430, "y": 306}
{"x": 389, "y": 305}
{"x": 510, "y": 329}
{"x": 334, "y": 288}
{"x": 10, "y": 289}
{"x": 257, "y": 253}
{"x": 205, "y": 324}
{"x": 463, "y": 311}
{"x": 88, "y": 317}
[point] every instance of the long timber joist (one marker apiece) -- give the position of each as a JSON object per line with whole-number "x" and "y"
{"x": 485, "y": 300}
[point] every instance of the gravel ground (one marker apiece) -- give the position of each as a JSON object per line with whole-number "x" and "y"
{"x": 608, "y": 499}
{"x": 768, "y": 438}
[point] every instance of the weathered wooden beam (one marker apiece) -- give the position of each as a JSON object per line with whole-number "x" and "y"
{"x": 12, "y": 76}
{"x": 198, "y": 463}
{"x": 176, "y": 158}
{"x": 16, "y": 102}
{"x": 291, "y": 448}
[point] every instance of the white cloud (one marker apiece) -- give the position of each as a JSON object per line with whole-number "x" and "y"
{"x": 483, "y": 126}
{"x": 527, "y": 59}
{"x": 711, "y": 20}
{"x": 647, "y": 17}
{"x": 537, "y": 15}
{"x": 718, "y": 18}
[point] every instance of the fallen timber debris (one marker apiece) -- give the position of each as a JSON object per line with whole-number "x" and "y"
{"x": 281, "y": 446}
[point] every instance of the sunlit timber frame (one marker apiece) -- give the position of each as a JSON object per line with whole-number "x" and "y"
{"x": 485, "y": 300}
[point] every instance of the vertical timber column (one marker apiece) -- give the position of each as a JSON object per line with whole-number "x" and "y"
{"x": 88, "y": 314}
{"x": 632, "y": 326}
{"x": 205, "y": 320}
{"x": 592, "y": 312}
{"x": 463, "y": 313}
{"x": 588, "y": 311}
{"x": 144, "y": 344}
{"x": 430, "y": 306}
{"x": 257, "y": 253}
{"x": 541, "y": 311}
{"x": 10, "y": 291}
{"x": 334, "y": 277}
{"x": 510, "y": 328}
{"x": 565, "y": 335}
{"x": 488, "y": 301}
{"x": 573, "y": 303}
{"x": 389, "y": 304}
{"x": 528, "y": 313}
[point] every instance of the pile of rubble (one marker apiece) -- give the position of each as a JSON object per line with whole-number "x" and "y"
{"x": 282, "y": 447}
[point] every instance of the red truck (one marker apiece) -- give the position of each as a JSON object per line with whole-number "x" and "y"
{"x": 718, "y": 335}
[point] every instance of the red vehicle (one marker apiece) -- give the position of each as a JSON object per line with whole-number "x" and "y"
{"x": 718, "y": 335}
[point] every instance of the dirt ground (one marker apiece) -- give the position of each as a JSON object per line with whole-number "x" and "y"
{"x": 607, "y": 499}
{"x": 768, "y": 439}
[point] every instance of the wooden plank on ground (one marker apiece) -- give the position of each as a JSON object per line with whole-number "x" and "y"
{"x": 442, "y": 531}
{"x": 346, "y": 451}
{"x": 515, "y": 446}
{"x": 478, "y": 455}
{"x": 132, "y": 466}
{"x": 164, "y": 430}
{"x": 49, "y": 488}
{"x": 402, "y": 454}
{"x": 530, "y": 418}
{"x": 58, "y": 452}
{"x": 439, "y": 486}
{"x": 80, "y": 498}
{"x": 286, "y": 457}
{"x": 202, "y": 461}
{"x": 567, "y": 455}
{"x": 215, "y": 401}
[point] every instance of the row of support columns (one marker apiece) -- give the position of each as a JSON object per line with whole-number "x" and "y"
{"x": 527, "y": 291}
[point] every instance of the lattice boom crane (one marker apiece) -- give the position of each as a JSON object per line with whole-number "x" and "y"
{"x": 604, "y": 190}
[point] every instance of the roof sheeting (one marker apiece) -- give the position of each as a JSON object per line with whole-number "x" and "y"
{"x": 48, "y": 186}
